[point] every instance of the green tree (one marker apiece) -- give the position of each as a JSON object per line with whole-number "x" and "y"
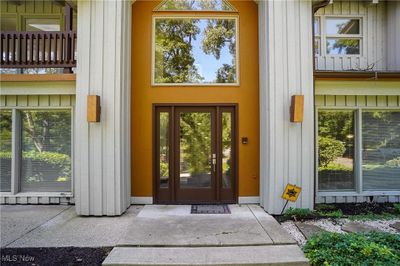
{"x": 174, "y": 57}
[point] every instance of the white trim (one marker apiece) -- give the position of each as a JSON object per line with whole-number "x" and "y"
{"x": 249, "y": 200}
{"x": 198, "y": 16}
{"x": 38, "y": 88}
{"x": 365, "y": 88}
{"x": 142, "y": 200}
{"x": 37, "y": 194}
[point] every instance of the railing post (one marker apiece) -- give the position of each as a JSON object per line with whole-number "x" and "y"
{"x": 67, "y": 58}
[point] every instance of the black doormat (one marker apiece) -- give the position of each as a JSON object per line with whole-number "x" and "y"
{"x": 210, "y": 209}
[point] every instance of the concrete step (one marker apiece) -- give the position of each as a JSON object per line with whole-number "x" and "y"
{"x": 239, "y": 255}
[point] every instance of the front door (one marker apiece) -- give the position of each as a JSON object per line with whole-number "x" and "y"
{"x": 195, "y": 160}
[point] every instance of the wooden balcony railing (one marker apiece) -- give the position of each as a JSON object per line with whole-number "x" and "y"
{"x": 42, "y": 49}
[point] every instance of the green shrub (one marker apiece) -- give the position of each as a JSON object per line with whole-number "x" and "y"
{"x": 164, "y": 170}
{"x": 396, "y": 207}
{"x": 329, "y": 149}
{"x": 297, "y": 213}
{"x": 335, "y": 167}
{"x": 353, "y": 249}
{"x": 395, "y": 162}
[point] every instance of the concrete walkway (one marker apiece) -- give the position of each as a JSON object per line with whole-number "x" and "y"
{"x": 59, "y": 226}
{"x": 156, "y": 235}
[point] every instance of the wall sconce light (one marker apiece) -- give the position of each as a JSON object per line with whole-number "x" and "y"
{"x": 297, "y": 109}
{"x": 93, "y": 108}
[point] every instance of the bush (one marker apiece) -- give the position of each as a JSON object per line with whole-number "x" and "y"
{"x": 57, "y": 163}
{"x": 353, "y": 249}
{"x": 297, "y": 213}
{"x": 329, "y": 149}
{"x": 395, "y": 162}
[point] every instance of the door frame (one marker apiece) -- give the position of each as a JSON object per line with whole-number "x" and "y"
{"x": 155, "y": 150}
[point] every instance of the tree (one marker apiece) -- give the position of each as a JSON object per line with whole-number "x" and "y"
{"x": 174, "y": 57}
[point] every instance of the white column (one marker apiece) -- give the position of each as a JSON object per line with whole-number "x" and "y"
{"x": 393, "y": 35}
{"x": 102, "y": 150}
{"x": 286, "y": 68}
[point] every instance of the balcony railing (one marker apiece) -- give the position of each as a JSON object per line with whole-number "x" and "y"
{"x": 42, "y": 49}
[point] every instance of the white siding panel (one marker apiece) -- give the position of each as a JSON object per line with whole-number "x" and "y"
{"x": 285, "y": 70}
{"x": 393, "y": 35}
{"x": 103, "y": 149}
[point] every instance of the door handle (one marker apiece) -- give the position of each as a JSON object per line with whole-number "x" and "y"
{"x": 214, "y": 162}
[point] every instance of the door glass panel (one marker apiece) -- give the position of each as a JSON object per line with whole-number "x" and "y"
{"x": 195, "y": 149}
{"x": 164, "y": 149}
{"x": 226, "y": 150}
{"x": 5, "y": 150}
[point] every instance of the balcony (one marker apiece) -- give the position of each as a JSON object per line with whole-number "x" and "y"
{"x": 41, "y": 49}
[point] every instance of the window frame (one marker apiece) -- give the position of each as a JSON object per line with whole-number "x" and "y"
{"x": 358, "y": 161}
{"x": 194, "y": 16}
{"x": 16, "y": 151}
{"x": 324, "y": 37}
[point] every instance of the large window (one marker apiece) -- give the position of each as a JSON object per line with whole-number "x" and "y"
{"x": 336, "y": 150}
{"x": 338, "y": 35}
{"x": 41, "y": 153}
{"x": 195, "y": 50}
{"x": 358, "y": 150}
{"x": 381, "y": 150}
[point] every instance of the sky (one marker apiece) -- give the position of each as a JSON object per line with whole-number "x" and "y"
{"x": 208, "y": 65}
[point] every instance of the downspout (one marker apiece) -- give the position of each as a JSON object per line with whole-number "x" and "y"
{"x": 315, "y": 8}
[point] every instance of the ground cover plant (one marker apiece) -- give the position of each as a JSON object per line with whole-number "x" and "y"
{"x": 353, "y": 249}
{"x": 352, "y": 211}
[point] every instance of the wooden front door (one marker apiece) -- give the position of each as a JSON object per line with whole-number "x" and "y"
{"x": 195, "y": 154}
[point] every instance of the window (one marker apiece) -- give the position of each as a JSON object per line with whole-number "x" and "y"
{"x": 5, "y": 150}
{"x": 195, "y": 51}
{"x": 336, "y": 150}
{"x": 381, "y": 150}
{"x": 42, "y": 24}
{"x": 42, "y": 153}
{"x": 195, "y": 5}
{"x": 340, "y": 35}
{"x": 358, "y": 158}
{"x": 317, "y": 35}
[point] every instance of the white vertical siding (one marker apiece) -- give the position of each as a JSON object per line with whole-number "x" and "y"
{"x": 373, "y": 48}
{"x": 393, "y": 35}
{"x": 285, "y": 34}
{"x": 103, "y": 149}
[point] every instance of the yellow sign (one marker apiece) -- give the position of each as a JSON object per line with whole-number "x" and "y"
{"x": 291, "y": 192}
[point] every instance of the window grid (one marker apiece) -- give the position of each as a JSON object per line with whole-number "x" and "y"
{"x": 322, "y": 37}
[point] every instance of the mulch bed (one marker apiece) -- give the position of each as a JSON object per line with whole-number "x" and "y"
{"x": 53, "y": 256}
{"x": 365, "y": 208}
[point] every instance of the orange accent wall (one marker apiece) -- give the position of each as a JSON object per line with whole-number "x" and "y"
{"x": 144, "y": 95}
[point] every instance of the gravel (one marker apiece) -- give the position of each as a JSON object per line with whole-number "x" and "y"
{"x": 335, "y": 226}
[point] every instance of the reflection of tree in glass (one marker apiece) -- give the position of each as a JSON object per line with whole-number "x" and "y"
{"x": 217, "y": 5}
{"x": 381, "y": 130}
{"x": 174, "y": 58}
{"x": 5, "y": 130}
{"x": 196, "y": 141}
{"x": 175, "y": 61}
{"x": 346, "y": 46}
{"x": 47, "y": 131}
{"x": 217, "y": 34}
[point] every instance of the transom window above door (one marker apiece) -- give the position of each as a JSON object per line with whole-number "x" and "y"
{"x": 195, "y": 5}
{"x": 192, "y": 49}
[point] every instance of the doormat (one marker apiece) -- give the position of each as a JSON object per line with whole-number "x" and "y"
{"x": 210, "y": 209}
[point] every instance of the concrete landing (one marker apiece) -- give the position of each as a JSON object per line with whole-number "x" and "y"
{"x": 174, "y": 226}
{"x": 170, "y": 235}
{"x": 249, "y": 255}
